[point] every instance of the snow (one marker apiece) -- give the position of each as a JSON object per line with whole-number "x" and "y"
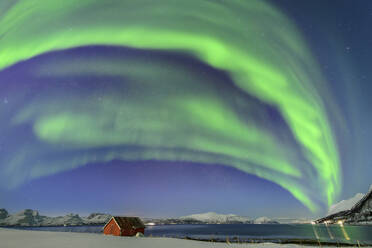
{"x": 345, "y": 204}
{"x": 70, "y": 219}
{"x": 212, "y": 217}
{"x": 285, "y": 220}
{"x": 31, "y": 217}
{"x": 97, "y": 218}
{"x": 26, "y": 217}
{"x": 10, "y": 238}
{"x": 264, "y": 220}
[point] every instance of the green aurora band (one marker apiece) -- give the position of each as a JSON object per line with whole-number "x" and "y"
{"x": 183, "y": 118}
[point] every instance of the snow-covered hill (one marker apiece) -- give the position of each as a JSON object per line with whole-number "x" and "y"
{"x": 31, "y": 217}
{"x": 265, "y": 220}
{"x": 356, "y": 210}
{"x": 345, "y": 204}
{"x": 97, "y": 218}
{"x": 214, "y": 218}
{"x": 293, "y": 220}
{"x": 26, "y": 217}
{"x": 3, "y": 213}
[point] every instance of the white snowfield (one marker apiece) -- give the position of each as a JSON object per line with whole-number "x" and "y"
{"x": 38, "y": 239}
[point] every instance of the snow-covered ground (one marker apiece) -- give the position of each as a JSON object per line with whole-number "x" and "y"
{"x": 37, "y": 239}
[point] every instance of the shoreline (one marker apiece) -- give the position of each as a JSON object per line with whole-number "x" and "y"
{"x": 14, "y": 238}
{"x": 301, "y": 242}
{"x": 102, "y": 224}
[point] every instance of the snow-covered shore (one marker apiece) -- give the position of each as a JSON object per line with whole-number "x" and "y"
{"x": 10, "y": 238}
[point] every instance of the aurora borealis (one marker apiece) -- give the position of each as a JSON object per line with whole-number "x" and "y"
{"x": 227, "y": 83}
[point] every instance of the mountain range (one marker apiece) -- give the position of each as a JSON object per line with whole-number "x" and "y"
{"x": 214, "y": 218}
{"x": 29, "y": 217}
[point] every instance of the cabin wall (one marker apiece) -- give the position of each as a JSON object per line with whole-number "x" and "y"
{"x": 112, "y": 229}
{"x": 132, "y": 232}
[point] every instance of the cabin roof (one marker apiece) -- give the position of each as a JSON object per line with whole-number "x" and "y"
{"x": 125, "y": 222}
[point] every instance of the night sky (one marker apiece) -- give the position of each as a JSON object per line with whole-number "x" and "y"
{"x": 169, "y": 108}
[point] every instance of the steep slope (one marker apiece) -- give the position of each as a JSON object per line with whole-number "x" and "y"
{"x": 345, "y": 204}
{"x": 359, "y": 213}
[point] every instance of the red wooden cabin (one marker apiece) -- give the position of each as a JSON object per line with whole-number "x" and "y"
{"x": 124, "y": 226}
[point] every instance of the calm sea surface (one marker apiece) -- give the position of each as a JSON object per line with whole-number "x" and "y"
{"x": 245, "y": 232}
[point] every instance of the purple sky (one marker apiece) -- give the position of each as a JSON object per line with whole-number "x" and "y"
{"x": 154, "y": 189}
{"x": 166, "y": 189}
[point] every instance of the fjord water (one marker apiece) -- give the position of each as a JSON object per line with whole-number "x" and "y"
{"x": 246, "y": 232}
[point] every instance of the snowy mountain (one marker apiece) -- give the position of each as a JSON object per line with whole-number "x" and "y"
{"x": 70, "y": 220}
{"x": 31, "y": 217}
{"x": 345, "y": 204}
{"x": 214, "y": 218}
{"x": 3, "y": 213}
{"x": 356, "y": 210}
{"x": 265, "y": 220}
{"x": 293, "y": 220}
{"x": 26, "y": 217}
{"x": 97, "y": 218}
